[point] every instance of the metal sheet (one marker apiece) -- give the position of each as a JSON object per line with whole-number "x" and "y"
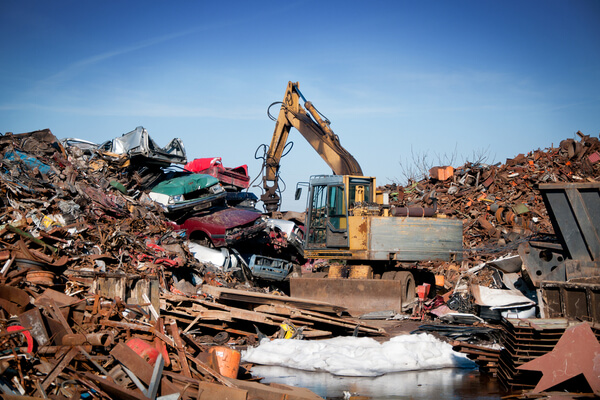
{"x": 32, "y": 320}
{"x": 414, "y": 239}
{"x": 13, "y": 300}
{"x": 579, "y": 301}
{"x": 542, "y": 263}
{"x": 574, "y": 211}
{"x": 576, "y": 353}
{"x": 357, "y": 295}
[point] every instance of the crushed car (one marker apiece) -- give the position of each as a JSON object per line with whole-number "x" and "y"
{"x": 222, "y": 226}
{"x": 187, "y": 194}
{"x": 232, "y": 179}
{"x": 85, "y": 147}
{"x": 140, "y": 147}
{"x": 285, "y": 235}
{"x": 230, "y": 260}
{"x": 269, "y": 268}
{"x": 246, "y": 200}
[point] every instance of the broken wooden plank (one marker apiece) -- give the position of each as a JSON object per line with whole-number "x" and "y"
{"x": 204, "y": 314}
{"x": 180, "y": 349}
{"x": 230, "y": 313}
{"x": 274, "y": 391}
{"x": 313, "y": 316}
{"x": 274, "y": 309}
{"x": 209, "y": 390}
{"x": 198, "y": 317}
{"x": 349, "y": 324}
{"x": 233, "y": 313}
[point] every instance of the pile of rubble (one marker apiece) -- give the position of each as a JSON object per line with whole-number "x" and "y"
{"x": 107, "y": 288}
{"x": 92, "y": 281}
{"x": 500, "y": 204}
{"x": 65, "y": 214}
{"x": 530, "y": 253}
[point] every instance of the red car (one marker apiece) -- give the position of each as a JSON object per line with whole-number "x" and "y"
{"x": 223, "y": 226}
{"x": 232, "y": 179}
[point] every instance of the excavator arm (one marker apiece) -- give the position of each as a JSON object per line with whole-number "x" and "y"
{"x": 315, "y": 130}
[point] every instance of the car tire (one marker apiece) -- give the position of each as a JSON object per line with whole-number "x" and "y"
{"x": 408, "y": 286}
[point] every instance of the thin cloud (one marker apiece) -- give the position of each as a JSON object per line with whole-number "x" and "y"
{"x": 145, "y": 110}
{"x": 82, "y": 64}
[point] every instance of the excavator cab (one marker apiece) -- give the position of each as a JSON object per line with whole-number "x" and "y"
{"x": 332, "y": 199}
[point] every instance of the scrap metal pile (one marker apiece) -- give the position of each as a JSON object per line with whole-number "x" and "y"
{"x": 531, "y": 253}
{"x": 89, "y": 267}
{"x": 108, "y": 288}
{"x": 500, "y": 204}
{"x": 61, "y": 212}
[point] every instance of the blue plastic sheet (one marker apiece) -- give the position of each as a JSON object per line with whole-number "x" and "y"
{"x": 30, "y": 161}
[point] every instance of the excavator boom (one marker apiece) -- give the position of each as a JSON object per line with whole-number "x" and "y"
{"x": 318, "y": 134}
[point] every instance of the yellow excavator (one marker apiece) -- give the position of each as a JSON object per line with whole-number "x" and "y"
{"x": 371, "y": 245}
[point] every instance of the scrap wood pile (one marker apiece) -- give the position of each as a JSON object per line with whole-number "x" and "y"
{"x": 87, "y": 263}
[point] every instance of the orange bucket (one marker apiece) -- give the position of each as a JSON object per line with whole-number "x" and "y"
{"x": 227, "y": 360}
{"x": 439, "y": 280}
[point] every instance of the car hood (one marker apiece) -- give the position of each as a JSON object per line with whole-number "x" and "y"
{"x": 226, "y": 218}
{"x": 185, "y": 184}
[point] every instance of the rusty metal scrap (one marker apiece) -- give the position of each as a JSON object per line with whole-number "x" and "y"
{"x": 96, "y": 286}
{"x": 87, "y": 263}
{"x": 501, "y": 204}
{"x": 504, "y": 213}
{"x": 538, "y": 354}
{"x": 575, "y": 353}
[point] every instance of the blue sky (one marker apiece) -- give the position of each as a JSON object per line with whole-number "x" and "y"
{"x": 397, "y": 79}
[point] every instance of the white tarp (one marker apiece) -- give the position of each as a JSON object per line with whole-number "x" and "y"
{"x": 354, "y": 356}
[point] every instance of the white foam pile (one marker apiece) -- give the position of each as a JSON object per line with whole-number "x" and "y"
{"x": 354, "y": 356}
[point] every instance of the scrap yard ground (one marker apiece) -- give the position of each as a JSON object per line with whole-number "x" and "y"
{"x": 102, "y": 295}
